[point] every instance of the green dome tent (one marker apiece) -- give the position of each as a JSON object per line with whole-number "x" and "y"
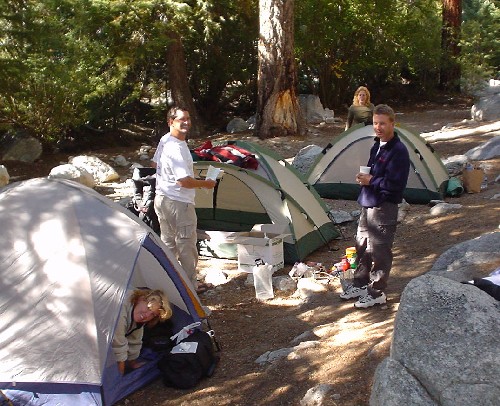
{"x": 273, "y": 193}
{"x": 334, "y": 171}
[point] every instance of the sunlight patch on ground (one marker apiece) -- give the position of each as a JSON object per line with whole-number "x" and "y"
{"x": 461, "y": 132}
{"x": 437, "y": 220}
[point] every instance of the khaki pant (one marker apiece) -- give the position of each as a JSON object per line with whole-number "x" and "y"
{"x": 178, "y": 231}
{"x": 374, "y": 240}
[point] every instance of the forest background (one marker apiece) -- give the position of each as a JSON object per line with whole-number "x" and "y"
{"x": 68, "y": 67}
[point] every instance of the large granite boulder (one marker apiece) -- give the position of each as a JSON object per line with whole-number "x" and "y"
{"x": 100, "y": 171}
{"x": 71, "y": 172}
{"x": 462, "y": 261}
{"x": 313, "y": 110}
{"x": 306, "y": 157}
{"x": 20, "y": 146}
{"x": 487, "y": 108}
{"x": 486, "y": 150}
{"x": 444, "y": 349}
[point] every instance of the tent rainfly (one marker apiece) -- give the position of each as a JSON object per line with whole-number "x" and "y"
{"x": 273, "y": 193}
{"x": 67, "y": 258}
{"x": 333, "y": 173}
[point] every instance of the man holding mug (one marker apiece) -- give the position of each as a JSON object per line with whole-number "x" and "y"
{"x": 381, "y": 192}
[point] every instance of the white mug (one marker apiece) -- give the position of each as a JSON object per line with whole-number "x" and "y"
{"x": 364, "y": 169}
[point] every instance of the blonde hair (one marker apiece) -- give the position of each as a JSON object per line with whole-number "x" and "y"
{"x": 355, "y": 100}
{"x": 156, "y": 301}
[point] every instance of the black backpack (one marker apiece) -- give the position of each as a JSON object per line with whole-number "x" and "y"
{"x": 184, "y": 370}
{"x": 142, "y": 203}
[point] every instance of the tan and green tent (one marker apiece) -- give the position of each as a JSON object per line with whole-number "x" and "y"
{"x": 334, "y": 171}
{"x": 273, "y": 193}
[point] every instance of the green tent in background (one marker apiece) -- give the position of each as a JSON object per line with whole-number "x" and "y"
{"x": 334, "y": 171}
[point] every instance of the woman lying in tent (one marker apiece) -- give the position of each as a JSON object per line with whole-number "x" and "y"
{"x": 143, "y": 307}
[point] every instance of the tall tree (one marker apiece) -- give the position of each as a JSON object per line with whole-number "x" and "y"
{"x": 278, "y": 108}
{"x": 179, "y": 85}
{"x": 450, "y": 37}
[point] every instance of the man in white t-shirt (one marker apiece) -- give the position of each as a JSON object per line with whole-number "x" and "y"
{"x": 175, "y": 191}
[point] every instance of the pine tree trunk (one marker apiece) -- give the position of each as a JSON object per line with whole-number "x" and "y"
{"x": 450, "y": 36}
{"x": 179, "y": 84}
{"x": 278, "y": 108}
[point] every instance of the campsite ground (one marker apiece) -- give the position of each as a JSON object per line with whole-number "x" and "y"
{"x": 348, "y": 343}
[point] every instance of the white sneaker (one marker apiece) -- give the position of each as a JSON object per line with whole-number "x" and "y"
{"x": 369, "y": 301}
{"x": 351, "y": 292}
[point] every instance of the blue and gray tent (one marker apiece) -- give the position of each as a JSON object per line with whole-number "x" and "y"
{"x": 68, "y": 256}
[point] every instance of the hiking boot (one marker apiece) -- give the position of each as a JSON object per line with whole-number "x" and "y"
{"x": 369, "y": 301}
{"x": 352, "y": 292}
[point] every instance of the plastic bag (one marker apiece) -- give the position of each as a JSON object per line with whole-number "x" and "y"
{"x": 263, "y": 281}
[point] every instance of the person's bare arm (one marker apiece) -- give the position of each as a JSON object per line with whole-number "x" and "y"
{"x": 192, "y": 183}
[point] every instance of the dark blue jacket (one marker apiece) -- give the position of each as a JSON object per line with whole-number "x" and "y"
{"x": 390, "y": 169}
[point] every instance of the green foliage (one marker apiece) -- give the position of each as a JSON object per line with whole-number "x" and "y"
{"x": 223, "y": 60}
{"x": 38, "y": 67}
{"x": 70, "y": 62}
{"x": 346, "y": 43}
{"x": 65, "y": 63}
{"x": 480, "y": 42}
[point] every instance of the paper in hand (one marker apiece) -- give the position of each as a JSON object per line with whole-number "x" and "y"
{"x": 213, "y": 173}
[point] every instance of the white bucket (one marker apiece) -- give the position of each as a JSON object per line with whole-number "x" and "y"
{"x": 263, "y": 281}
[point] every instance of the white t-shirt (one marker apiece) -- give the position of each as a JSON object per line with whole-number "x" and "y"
{"x": 173, "y": 162}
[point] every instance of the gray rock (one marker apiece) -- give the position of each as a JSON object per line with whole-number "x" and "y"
{"x": 395, "y": 386}
{"x": 461, "y": 261}
{"x": 120, "y": 160}
{"x": 486, "y": 88}
{"x": 21, "y": 148}
{"x": 356, "y": 213}
{"x": 100, "y": 171}
{"x": 305, "y": 336}
{"x": 447, "y": 335}
{"x": 237, "y": 125}
{"x": 442, "y": 208}
{"x": 316, "y": 396}
{"x": 252, "y": 121}
{"x": 312, "y": 109}
{"x": 470, "y": 394}
{"x": 306, "y": 157}
{"x": 487, "y": 150}
{"x": 487, "y": 109}
{"x": 71, "y": 172}
{"x": 340, "y": 216}
{"x": 272, "y": 356}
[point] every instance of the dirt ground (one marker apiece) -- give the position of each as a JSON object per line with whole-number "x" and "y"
{"x": 348, "y": 343}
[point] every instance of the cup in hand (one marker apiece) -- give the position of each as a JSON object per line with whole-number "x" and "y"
{"x": 364, "y": 169}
